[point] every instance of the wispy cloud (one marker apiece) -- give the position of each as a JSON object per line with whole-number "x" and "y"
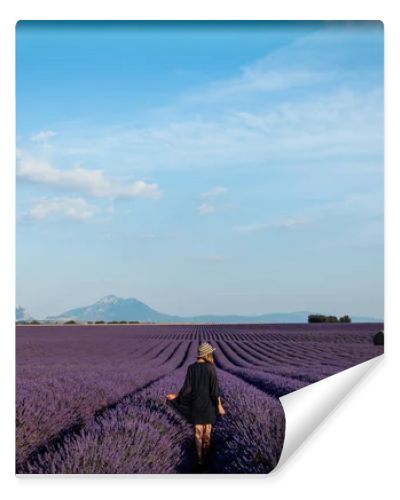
{"x": 206, "y": 208}
{"x": 332, "y": 124}
{"x": 312, "y": 60}
{"x": 68, "y": 208}
{"x": 215, "y": 191}
{"x": 91, "y": 182}
{"x": 211, "y": 206}
{"x": 259, "y": 78}
{"x": 369, "y": 204}
{"x": 288, "y": 223}
{"x": 43, "y": 135}
{"x": 330, "y": 112}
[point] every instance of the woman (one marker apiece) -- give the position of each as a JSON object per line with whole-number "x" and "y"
{"x": 199, "y": 400}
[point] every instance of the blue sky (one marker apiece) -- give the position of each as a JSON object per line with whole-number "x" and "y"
{"x": 200, "y": 167}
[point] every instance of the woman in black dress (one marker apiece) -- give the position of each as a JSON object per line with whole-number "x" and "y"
{"x": 199, "y": 401}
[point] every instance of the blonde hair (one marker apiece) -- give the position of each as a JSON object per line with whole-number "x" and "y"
{"x": 207, "y": 357}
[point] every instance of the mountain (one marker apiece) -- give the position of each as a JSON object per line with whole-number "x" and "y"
{"x": 113, "y": 308}
{"x": 22, "y": 314}
{"x": 365, "y": 319}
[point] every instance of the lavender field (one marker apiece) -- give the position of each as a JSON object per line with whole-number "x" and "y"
{"x": 91, "y": 399}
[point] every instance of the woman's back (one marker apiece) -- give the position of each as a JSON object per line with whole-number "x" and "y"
{"x": 198, "y": 398}
{"x": 202, "y": 378}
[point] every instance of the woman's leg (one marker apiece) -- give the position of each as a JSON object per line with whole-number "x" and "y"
{"x": 206, "y": 439}
{"x": 198, "y": 439}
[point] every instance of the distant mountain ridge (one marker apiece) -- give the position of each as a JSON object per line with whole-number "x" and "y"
{"x": 113, "y": 308}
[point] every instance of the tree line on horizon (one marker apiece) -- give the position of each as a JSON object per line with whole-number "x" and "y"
{"x": 321, "y": 318}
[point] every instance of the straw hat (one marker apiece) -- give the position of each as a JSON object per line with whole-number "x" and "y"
{"x": 204, "y": 349}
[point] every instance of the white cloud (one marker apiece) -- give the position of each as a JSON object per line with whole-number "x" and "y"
{"x": 370, "y": 204}
{"x": 318, "y": 57}
{"x": 69, "y": 208}
{"x": 288, "y": 223}
{"x": 43, "y": 135}
{"x": 259, "y": 78}
{"x": 326, "y": 125}
{"x": 206, "y": 208}
{"x": 216, "y": 191}
{"x": 91, "y": 182}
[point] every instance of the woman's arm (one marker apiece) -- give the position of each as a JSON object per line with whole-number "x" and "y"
{"x": 221, "y": 409}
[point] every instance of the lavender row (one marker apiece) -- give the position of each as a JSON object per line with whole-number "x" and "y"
{"x": 338, "y": 333}
{"x": 66, "y": 394}
{"x": 292, "y": 374}
{"x": 144, "y": 435}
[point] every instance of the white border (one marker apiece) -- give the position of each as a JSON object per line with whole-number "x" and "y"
{"x": 326, "y": 467}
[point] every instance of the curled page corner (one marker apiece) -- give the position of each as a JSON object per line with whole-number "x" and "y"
{"x": 306, "y": 408}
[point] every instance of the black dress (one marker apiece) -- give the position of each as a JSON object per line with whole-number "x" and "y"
{"x": 198, "y": 398}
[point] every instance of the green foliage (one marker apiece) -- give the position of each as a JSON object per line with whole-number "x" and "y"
{"x": 321, "y": 318}
{"x": 70, "y": 322}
